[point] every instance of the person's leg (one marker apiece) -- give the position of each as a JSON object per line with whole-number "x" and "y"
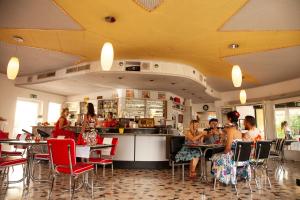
{"x": 193, "y": 165}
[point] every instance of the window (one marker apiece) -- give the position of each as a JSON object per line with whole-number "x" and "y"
{"x": 53, "y": 112}
{"x": 289, "y": 112}
{"x": 26, "y": 115}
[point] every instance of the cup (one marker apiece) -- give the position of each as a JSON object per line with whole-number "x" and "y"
{"x": 121, "y": 130}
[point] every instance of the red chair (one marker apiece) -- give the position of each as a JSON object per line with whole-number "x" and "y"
{"x": 7, "y": 162}
{"x": 17, "y": 147}
{"x": 106, "y": 160}
{"x": 63, "y": 161}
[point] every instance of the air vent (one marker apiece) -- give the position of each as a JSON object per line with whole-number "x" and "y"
{"x": 78, "y": 69}
{"x": 132, "y": 66}
{"x": 46, "y": 75}
{"x": 145, "y": 66}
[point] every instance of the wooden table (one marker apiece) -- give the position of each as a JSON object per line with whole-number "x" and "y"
{"x": 204, "y": 148}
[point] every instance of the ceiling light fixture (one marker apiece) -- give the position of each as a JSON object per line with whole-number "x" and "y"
{"x": 107, "y": 56}
{"x": 13, "y": 63}
{"x": 236, "y": 75}
{"x": 233, "y": 46}
{"x": 110, "y": 19}
{"x": 243, "y": 96}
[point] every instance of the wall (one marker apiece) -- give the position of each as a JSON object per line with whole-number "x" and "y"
{"x": 9, "y": 94}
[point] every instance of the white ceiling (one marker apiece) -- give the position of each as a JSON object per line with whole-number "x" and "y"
{"x": 94, "y": 82}
{"x": 34, "y": 60}
{"x": 266, "y": 15}
{"x": 270, "y": 66}
{"x": 34, "y": 14}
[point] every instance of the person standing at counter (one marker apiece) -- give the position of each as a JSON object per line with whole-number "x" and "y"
{"x": 62, "y": 126}
{"x": 110, "y": 122}
{"x": 88, "y": 134}
{"x": 192, "y": 136}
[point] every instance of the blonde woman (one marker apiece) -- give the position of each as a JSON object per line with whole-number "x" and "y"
{"x": 62, "y": 125}
{"x": 192, "y": 136}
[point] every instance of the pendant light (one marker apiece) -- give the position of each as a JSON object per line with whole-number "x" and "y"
{"x": 236, "y": 75}
{"x": 243, "y": 96}
{"x": 13, "y": 68}
{"x": 107, "y": 56}
{"x": 14, "y": 64}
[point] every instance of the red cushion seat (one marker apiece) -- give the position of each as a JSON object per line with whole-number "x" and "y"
{"x": 11, "y": 153}
{"x": 42, "y": 156}
{"x": 100, "y": 161}
{"x": 77, "y": 169}
{"x": 6, "y": 162}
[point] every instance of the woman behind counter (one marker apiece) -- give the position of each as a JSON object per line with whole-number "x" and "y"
{"x": 191, "y": 154}
{"x": 62, "y": 125}
{"x": 109, "y": 121}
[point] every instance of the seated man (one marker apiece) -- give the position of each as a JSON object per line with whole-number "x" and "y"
{"x": 252, "y": 133}
{"x": 213, "y": 132}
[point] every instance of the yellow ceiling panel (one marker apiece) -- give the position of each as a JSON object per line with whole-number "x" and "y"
{"x": 179, "y": 31}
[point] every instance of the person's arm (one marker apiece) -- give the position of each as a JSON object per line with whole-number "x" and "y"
{"x": 229, "y": 140}
{"x": 192, "y": 138}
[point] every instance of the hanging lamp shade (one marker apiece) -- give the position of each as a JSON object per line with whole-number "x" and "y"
{"x": 243, "y": 96}
{"x": 107, "y": 56}
{"x": 13, "y": 68}
{"x": 236, "y": 75}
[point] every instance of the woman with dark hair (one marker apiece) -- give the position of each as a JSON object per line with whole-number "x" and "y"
{"x": 191, "y": 154}
{"x": 88, "y": 134}
{"x": 223, "y": 165}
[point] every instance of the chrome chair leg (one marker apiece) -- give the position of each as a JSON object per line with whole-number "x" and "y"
{"x": 103, "y": 171}
{"x": 249, "y": 184}
{"x": 173, "y": 170}
{"x": 92, "y": 184}
{"x": 74, "y": 184}
{"x": 267, "y": 174}
{"x": 112, "y": 169}
{"x": 182, "y": 172}
{"x": 52, "y": 185}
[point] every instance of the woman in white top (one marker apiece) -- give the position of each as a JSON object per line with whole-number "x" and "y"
{"x": 286, "y": 130}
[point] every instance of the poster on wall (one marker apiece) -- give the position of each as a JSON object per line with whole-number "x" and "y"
{"x": 129, "y": 93}
{"x": 145, "y": 94}
{"x": 161, "y": 95}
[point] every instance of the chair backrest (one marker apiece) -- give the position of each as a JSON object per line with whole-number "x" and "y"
{"x": 114, "y": 142}
{"x": 3, "y": 135}
{"x": 0, "y": 151}
{"x": 242, "y": 151}
{"x": 262, "y": 149}
{"x": 62, "y": 151}
{"x": 43, "y": 133}
{"x": 176, "y": 143}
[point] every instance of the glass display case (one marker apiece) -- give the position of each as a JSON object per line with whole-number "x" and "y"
{"x": 107, "y": 105}
{"x": 155, "y": 108}
{"x": 134, "y": 108}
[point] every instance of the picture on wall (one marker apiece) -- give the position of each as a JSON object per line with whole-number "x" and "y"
{"x": 145, "y": 94}
{"x": 161, "y": 95}
{"x": 129, "y": 93}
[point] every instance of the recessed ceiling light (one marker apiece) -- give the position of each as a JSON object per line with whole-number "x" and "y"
{"x": 110, "y": 19}
{"x": 120, "y": 77}
{"x": 151, "y": 80}
{"x": 233, "y": 46}
{"x": 173, "y": 83}
{"x": 193, "y": 94}
{"x": 184, "y": 89}
{"x": 18, "y": 39}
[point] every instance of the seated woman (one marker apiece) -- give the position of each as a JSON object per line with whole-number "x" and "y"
{"x": 223, "y": 165}
{"x": 191, "y": 154}
{"x": 88, "y": 134}
{"x": 62, "y": 126}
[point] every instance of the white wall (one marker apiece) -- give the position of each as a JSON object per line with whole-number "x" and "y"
{"x": 9, "y": 94}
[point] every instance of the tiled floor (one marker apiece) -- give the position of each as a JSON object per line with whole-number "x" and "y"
{"x": 158, "y": 184}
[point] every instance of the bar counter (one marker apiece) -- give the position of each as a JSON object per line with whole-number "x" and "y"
{"x": 137, "y": 148}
